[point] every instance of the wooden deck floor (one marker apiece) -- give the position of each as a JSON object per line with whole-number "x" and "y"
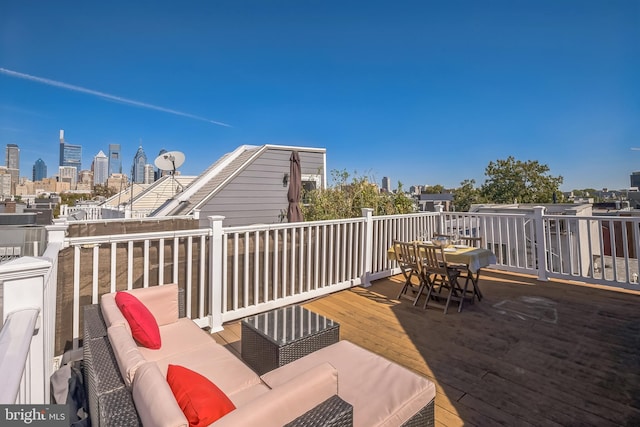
{"x": 530, "y": 354}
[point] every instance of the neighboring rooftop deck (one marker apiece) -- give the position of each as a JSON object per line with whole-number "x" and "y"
{"x": 530, "y": 354}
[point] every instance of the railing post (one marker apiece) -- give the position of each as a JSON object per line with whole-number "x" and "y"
{"x": 57, "y": 232}
{"x": 215, "y": 273}
{"x": 22, "y": 286}
{"x": 441, "y": 227}
{"x": 541, "y": 242}
{"x": 367, "y": 213}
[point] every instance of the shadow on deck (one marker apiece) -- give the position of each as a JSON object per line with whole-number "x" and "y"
{"x": 530, "y": 354}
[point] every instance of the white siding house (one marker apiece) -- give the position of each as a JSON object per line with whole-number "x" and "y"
{"x": 248, "y": 185}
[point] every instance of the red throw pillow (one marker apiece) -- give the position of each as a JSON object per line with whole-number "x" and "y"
{"x": 201, "y": 400}
{"x": 144, "y": 327}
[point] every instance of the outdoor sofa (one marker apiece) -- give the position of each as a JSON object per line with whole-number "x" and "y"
{"x": 339, "y": 385}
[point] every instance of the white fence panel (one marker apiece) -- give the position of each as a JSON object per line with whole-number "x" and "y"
{"x": 135, "y": 261}
{"x": 387, "y": 228}
{"x": 597, "y": 249}
{"x": 270, "y": 266}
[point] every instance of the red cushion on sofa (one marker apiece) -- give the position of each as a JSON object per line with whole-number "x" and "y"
{"x": 144, "y": 327}
{"x": 201, "y": 400}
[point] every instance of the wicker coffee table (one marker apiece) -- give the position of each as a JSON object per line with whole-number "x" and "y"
{"x": 272, "y": 339}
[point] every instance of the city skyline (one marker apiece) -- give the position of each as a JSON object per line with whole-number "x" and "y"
{"x": 425, "y": 93}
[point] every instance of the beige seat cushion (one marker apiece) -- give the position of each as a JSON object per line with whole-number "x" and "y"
{"x": 178, "y": 337}
{"x": 217, "y": 364}
{"x": 286, "y": 402}
{"x": 382, "y": 393}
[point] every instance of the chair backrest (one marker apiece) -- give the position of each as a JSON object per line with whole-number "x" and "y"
{"x": 405, "y": 254}
{"x": 431, "y": 259}
{"x": 476, "y": 242}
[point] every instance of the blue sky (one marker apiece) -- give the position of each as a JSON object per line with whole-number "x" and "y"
{"x": 424, "y": 92}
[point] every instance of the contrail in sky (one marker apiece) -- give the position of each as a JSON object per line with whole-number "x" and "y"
{"x": 105, "y": 95}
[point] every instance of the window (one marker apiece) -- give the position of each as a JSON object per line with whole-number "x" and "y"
{"x": 309, "y": 183}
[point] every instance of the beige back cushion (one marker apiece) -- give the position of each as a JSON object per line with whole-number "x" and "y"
{"x": 126, "y": 351}
{"x": 162, "y": 302}
{"x": 154, "y": 399}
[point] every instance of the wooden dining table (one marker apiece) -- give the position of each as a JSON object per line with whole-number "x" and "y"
{"x": 473, "y": 258}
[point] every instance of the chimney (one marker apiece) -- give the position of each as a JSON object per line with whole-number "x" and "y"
{"x": 61, "y": 136}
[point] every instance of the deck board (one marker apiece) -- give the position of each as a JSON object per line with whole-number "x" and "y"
{"x": 531, "y": 353}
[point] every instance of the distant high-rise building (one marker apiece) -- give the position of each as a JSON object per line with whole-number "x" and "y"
{"x": 149, "y": 174}
{"x": 386, "y": 184}
{"x": 39, "y": 170}
{"x": 137, "y": 170}
{"x": 68, "y": 174}
{"x": 70, "y": 155}
{"x": 115, "y": 161}
{"x": 100, "y": 168}
{"x": 13, "y": 164}
{"x": 635, "y": 179}
{"x": 5, "y": 183}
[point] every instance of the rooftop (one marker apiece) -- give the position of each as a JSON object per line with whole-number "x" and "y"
{"x": 531, "y": 353}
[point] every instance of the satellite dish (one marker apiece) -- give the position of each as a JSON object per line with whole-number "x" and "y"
{"x": 169, "y": 161}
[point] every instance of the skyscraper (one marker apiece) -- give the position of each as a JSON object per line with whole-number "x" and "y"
{"x": 13, "y": 164}
{"x": 137, "y": 170}
{"x": 100, "y": 168}
{"x": 115, "y": 162}
{"x": 149, "y": 174}
{"x": 386, "y": 184}
{"x": 39, "y": 170}
{"x": 70, "y": 155}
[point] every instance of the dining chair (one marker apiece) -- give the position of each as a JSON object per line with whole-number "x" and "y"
{"x": 464, "y": 272}
{"x": 406, "y": 258}
{"x": 436, "y": 275}
{"x": 475, "y": 242}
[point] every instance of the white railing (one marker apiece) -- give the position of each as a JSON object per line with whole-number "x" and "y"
{"x": 26, "y": 351}
{"x": 387, "y": 228}
{"x": 124, "y": 261}
{"x": 98, "y": 212}
{"x": 15, "y": 343}
{"x": 81, "y": 213}
{"x": 511, "y": 237}
{"x": 251, "y": 269}
{"x": 232, "y": 272}
{"x": 601, "y": 249}
{"x": 265, "y": 267}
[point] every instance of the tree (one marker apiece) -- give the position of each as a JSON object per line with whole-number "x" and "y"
{"x": 345, "y": 199}
{"x": 433, "y": 189}
{"x": 466, "y": 195}
{"x": 103, "y": 190}
{"x": 514, "y": 181}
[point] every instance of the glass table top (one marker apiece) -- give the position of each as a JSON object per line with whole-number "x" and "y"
{"x": 289, "y": 324}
